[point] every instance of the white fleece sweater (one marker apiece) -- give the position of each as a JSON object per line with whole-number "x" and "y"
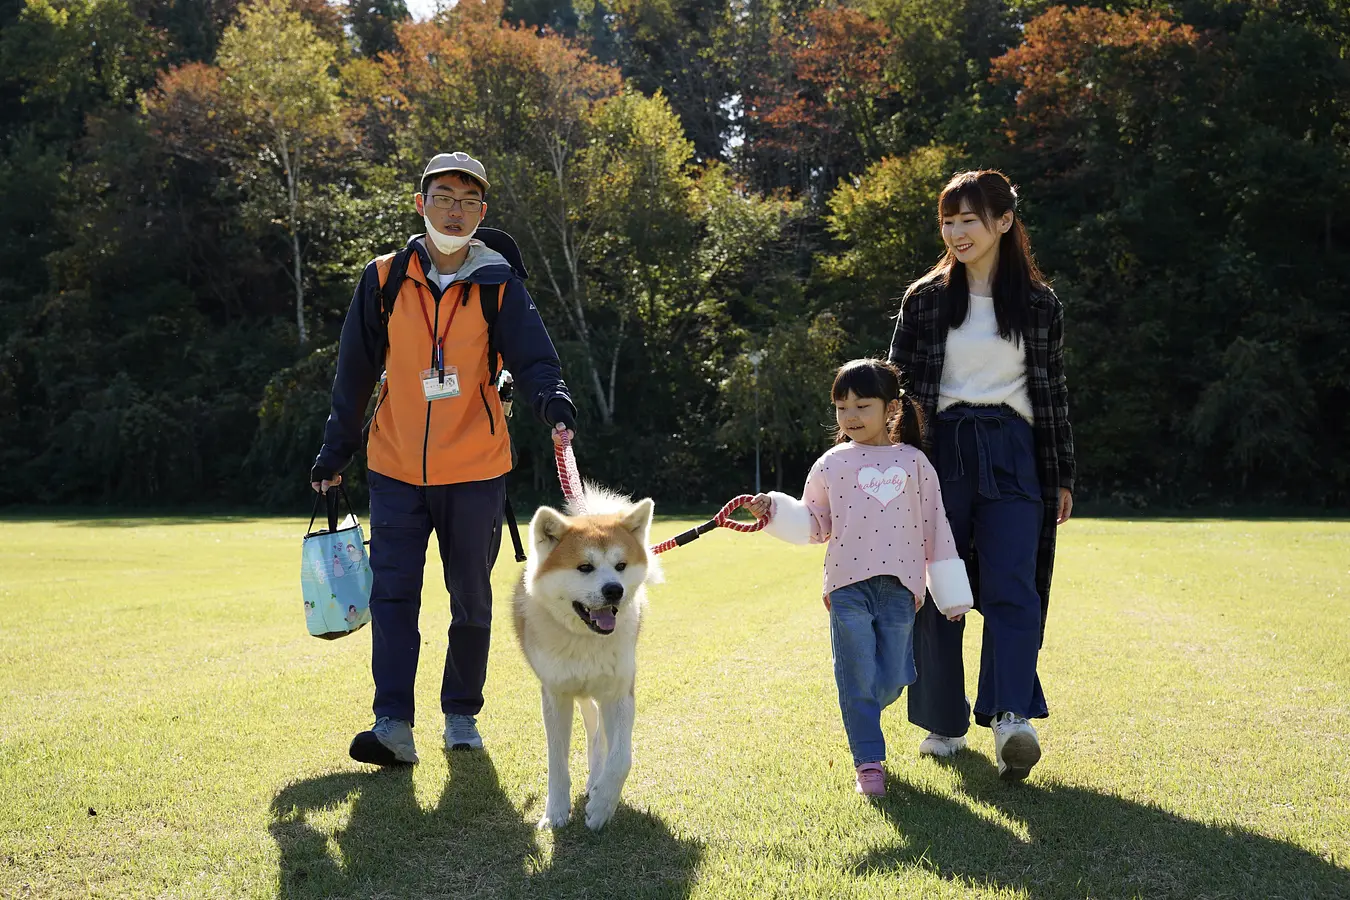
{"x": 981, "y": 368}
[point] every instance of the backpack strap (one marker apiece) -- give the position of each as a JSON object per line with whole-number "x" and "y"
{"x": 393, "y": 282}
{"x": 489, "y": 296}
{"x": 388, "y": 293}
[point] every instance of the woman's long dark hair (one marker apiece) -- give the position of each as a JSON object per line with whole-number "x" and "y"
{"x": 877, "y": 379}
{"x": 989, "y": 195}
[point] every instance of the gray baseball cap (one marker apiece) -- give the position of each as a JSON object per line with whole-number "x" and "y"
{"x": 458, "y": 161}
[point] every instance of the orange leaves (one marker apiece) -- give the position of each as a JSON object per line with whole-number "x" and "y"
{"x": 1073, "y": 59}
{"x": 825, "y": 79}
{"x": 841, "y": 53}
{"x": 488, "y": 82}
{"x": 187, "y": 111}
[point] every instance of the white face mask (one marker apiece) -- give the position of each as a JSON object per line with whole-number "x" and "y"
{"x": 447, "y": 243}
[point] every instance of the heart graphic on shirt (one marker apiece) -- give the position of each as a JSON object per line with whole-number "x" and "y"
{"x": 885, "y": 486}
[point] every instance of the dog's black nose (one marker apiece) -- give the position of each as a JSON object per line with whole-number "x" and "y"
{"x": 613, "y": 592}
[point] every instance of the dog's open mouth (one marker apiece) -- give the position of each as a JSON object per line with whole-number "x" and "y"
{"x": 599, "y": 619}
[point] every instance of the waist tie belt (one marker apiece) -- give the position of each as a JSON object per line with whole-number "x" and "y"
{"x": 981, "y": 419}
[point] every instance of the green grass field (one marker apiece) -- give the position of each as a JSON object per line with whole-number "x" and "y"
{"x": 168, "y": 729}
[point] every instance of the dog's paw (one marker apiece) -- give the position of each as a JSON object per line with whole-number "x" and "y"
{"x": 600, "y": 808}
{"x": 553, "y": 818}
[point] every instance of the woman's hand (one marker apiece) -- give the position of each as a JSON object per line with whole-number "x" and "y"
{"x": 1065, "y": 506}
{"x": 762, "y": 508}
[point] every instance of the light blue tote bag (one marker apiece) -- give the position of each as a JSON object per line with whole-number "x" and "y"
{"x": 335, "y": 576}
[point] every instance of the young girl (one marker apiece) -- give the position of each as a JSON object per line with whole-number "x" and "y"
{"x": 980, "y": 340}
{"x": 875, "y": 498}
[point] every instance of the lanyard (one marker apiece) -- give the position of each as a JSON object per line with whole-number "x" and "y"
{"x": 438, "y": 348}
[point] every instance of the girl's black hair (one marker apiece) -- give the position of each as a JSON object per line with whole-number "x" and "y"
{"x": 877, "y": 379}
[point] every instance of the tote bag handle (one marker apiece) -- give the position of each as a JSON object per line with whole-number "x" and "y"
{"x": 330, "y": 500}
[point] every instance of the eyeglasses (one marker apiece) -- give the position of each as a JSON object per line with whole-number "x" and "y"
{"x": 444, "y": 201}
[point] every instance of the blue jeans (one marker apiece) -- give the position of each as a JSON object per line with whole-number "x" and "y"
{"x": 986, "y": 458}
{"x": 871, "y": 632}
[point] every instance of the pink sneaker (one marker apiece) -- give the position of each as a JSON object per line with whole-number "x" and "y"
{"x": 871, "y": 780}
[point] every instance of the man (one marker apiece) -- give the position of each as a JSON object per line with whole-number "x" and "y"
{"x": 438, "y": 448}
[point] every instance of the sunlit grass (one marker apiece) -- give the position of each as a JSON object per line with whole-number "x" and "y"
{"x": 170, "y": 730}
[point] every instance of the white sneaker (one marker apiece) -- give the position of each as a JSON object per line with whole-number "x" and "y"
{"x": 940, "y": 745}
{"x": 1015, "y": 746}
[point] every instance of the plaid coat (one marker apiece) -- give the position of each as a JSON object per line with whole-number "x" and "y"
{"x": 919, "y": 349}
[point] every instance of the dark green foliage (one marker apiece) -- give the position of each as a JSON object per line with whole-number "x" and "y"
{"x": 1185, "y": 179}
{"x": 372, "y": 23}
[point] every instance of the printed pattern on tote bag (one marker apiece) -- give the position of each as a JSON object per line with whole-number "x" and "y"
{"x": 335, "y": 577}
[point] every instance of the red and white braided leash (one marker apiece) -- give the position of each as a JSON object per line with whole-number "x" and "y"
{"x": 570, "y": 479}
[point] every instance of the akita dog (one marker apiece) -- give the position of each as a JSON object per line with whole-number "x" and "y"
{"x": 578, "y": 608}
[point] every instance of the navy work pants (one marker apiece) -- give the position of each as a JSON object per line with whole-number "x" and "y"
{"x": 467, "y": 520}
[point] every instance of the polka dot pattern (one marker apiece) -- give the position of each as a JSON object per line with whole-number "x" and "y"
{"x": 892, "y": 525}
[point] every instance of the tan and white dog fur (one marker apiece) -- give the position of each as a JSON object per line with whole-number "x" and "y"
{"x": 578, "y": 609}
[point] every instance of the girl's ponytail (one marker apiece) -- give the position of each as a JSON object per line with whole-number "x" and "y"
{"x": 908, "y": 427}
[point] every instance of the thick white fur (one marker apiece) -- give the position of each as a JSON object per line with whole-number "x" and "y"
{"x": 575, "y": 665}
{"x": 950, "y": 586}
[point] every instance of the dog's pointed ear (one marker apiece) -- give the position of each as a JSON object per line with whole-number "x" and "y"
{"x": 547, "y": 528}
{"x": 638, "y": 520}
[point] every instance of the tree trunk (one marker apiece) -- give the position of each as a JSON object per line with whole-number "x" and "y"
{"x": 293, "y": 225}
{"x": 606, "y": 415}
{"x": 299, "y": 287}
{"x": 614, "y": 364}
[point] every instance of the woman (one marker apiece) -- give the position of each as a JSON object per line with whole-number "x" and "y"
{"x": 980, "y": 342}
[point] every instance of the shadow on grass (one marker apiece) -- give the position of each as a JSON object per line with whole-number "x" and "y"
{"x": 1087, "y": 844}
{"x": 474, "y": 843}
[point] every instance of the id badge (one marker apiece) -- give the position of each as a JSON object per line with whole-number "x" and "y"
{"x": 438, "y": 385}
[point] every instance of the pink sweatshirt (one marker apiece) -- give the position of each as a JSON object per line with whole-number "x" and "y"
{"x": 880, "y": 509}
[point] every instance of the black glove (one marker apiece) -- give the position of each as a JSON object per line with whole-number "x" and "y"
{"x": 320, "y": 474}
{"x": 559, "y": 411}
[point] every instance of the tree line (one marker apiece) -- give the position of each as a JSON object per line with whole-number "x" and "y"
{"x": 189, "y": 189}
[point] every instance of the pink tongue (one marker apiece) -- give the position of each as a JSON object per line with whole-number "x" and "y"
{"x": 603, "y": 618}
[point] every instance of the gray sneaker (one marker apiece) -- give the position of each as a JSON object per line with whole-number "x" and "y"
{"x": 461, "y": 733}
{"x": 389, "y": 743}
